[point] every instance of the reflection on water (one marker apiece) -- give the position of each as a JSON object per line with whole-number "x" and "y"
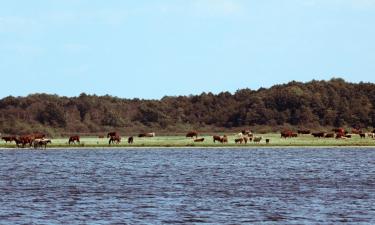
{"x": 188, "y": 186}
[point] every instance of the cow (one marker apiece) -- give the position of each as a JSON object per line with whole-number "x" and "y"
{"x": 8, "y": 138}
{"x": 245, "y": 139}
{"x": 239, "y": 140}
{"x": 199, "y": 140}
{"x": 329, "y": 135}
{"x": 348, "y": 136}
{"x": 224, "y": 139}
{"x": 26, "y": 139}
{"x": 40, "y": 143}
{"x": 318, "y": 134}
{"x": 362, "y": 135}
{"x": 74, "y": 139}
{"x": 286, "y": 134}
{"x": 267, "y": 141}
{"x": 216, "y": 138}
{"x": 114, "y": 139}
{"x": 294, "y": 135}
{"x": 371, "y": 135}
{"x": 112, "y": 134}
{"x": 303, "y": 131}
{"x": 192, "y": 134}
{"x": 130, "y": 140}
{"x": 147, "y": 134}
{"x": 257, "y": 139}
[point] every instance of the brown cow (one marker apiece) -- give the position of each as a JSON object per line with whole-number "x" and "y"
{"x": 114, "y": 139}
{"x": 192, "y": 134}
{"x": 112, "y": 134}
{"x": 130, "y": 140}
{"x": 286, "y": 134}
{"x": 238, "y": 140}
{"x": 216, "y": 138}
{"x": 9, "y": 138}
{"x": 199, "y": 140}
{"x": 27, "y": 139}
{"x": 74, "y": 139}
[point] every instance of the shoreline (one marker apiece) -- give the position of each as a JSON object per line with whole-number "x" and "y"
{"x": 195, "y": 147}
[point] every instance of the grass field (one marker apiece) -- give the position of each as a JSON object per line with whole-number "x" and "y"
{"x": 181, "y": 141}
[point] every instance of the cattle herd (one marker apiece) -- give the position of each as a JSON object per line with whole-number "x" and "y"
{"x": 338, "y": 133}
{"x": 39, "y": 140}
{"x": 35, "y": 140}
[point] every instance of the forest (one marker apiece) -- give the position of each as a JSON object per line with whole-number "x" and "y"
{"x": 318, "y": 105}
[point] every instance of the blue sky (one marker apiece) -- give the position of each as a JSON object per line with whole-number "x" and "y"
{"x": 149, "y": 49}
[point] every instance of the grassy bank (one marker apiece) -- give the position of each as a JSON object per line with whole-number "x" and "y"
{"x": 181, "y": 141}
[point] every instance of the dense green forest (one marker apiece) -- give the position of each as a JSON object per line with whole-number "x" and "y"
{"x": 314, "y": 105}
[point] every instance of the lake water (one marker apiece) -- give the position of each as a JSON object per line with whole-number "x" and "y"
{"x": 188, "y": 186}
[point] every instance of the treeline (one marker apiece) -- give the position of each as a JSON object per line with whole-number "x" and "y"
{"x": 314, "y": 105}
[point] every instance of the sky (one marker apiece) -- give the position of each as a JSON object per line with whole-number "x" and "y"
{"x": 154, "y": 48}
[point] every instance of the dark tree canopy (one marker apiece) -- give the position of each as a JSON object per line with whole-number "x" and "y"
{"x": 314, "y": 104}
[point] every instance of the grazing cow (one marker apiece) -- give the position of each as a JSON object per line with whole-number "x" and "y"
{"x": 329, "y": 135}
{"x": 8, "y": 139}
{"x": 294, "y": 135}
{"x": 245, "y": 139}
{"x": 267, "y": 141}
{"x": 112, "y": 134}
{"x": 303, "y": 131}
{"x": 192, "y": 134}
{"x": 318, "y": 134}
{"x": 238, "y": 140}
{"x": 114, "y": 139}
{"x": 371, "y": 135}
{"x": 130, "y": 140}
{"x": 199, "y": 140}
{"x": 26, "y": 139}
{"x": 257, "y": 139}
{"x": 286, "y": 134}
{"x": 216, "y": 138}
{"x": 74, "y": 139}
{"x": 147, "y": 134}
{"x": 40, "y": 143}
{"x": 362, "y": 135}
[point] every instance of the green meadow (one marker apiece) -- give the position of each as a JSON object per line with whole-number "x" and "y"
{"x": 182, "y": 141}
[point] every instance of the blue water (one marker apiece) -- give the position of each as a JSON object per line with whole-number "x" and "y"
{"x": 188, "y": 186}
